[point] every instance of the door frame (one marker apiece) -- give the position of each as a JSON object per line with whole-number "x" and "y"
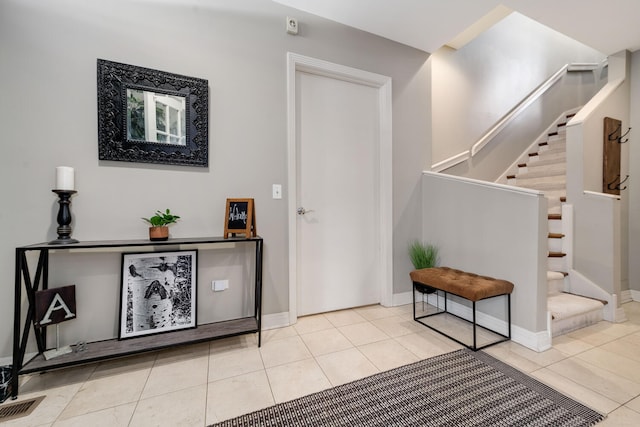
{"x": 295, "y": 63}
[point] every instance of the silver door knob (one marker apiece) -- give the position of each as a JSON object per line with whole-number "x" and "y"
{"x": 302, "y": 211}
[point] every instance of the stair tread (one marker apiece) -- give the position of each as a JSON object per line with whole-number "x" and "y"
{"x": 548, "y": 158}
{"x": 544, "y": 186}
{"x": 558, "y": 137}
{"x": 556, "y": 194}
{"x": 553, "y": 149}
{"x": 553, "y": 182}
{"x": 556, "y": 254}
{"x": 555, "y": 275}
{"x": 554, "y": 216}
{"x": 544, "y": 162}
{"x": 563, "y": 305}
{"x": 555, "y": 235}
{"x": 543, "y": 172}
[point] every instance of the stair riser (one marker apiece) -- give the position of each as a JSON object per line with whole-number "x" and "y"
{"x": 552, "y": 151}
{"x": 553, "y": 145}
{"x": 564, "y": 326}
{"x": 545, "y": 186}
{"x": 557, "y": 264}
{"x": 544, "y": 170}
{"x": 554, "y": 226}
{"x": 555, "y": 286}
{"x": 555, "y": 245}
{"x": 561, "y": 136}
{"x": 554, "y": 205}
{"x": 535, "y": 161}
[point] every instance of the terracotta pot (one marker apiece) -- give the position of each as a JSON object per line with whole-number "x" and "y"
{"x": 159, "y": 233}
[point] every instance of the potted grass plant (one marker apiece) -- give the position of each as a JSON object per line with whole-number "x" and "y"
{"x": 160, "y": 222}
{"x": 423, "y": 255}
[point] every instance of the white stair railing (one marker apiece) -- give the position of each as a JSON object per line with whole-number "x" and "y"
{"x": 502, "y": 123}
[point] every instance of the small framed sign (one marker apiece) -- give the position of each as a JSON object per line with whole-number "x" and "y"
{"x": 55, "y": 305}
{"x": 240, "y": 218}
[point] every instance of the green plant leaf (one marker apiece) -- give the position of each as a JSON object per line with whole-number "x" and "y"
{"x": 423, "y": 255}
{"x": 161, "y": 219}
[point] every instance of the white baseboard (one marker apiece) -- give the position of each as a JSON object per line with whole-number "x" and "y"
{"x": 275, "y": 321}
{"x": 536, "y": 341}
{"x": 403, "y": 298}
{"x": 626, "y": 296}
{"x": 635, "y": 295}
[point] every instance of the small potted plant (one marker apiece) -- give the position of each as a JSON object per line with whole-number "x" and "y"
{"x": 160, "y": 222}
{"x": 423, "y": 255}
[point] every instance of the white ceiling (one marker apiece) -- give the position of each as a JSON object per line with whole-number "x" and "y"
{"x": 609, "y": 26}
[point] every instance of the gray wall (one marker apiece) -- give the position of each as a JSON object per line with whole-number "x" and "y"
{"x": 478, "y": 84}
{"x": 48, "y": 53}
{"x": 466, "y": 219}
{"x": 491, "y": 162}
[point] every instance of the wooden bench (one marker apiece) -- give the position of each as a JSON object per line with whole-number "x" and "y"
{"x": 465, "y": 285}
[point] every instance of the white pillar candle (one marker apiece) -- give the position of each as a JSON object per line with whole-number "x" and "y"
{"x": 64, "y": 178}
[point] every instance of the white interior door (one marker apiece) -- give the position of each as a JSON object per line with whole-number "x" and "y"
{"x": 338, "y": 193}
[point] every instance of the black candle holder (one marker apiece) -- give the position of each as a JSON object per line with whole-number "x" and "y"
{"x": 64, "y": 218}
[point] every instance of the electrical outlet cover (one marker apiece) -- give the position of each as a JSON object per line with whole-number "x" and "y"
{"x": 292, "y": 25}
{"x": 219, "y": 285}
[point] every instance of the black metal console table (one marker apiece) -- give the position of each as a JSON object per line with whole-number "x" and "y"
{"x": 112, "y": 348}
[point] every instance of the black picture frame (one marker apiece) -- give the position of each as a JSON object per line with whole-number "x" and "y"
{"x": 158, "y": 292}
{"x": 114, "y": 79}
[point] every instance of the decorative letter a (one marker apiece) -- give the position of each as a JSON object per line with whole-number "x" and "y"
{"x": 56, "y": 304}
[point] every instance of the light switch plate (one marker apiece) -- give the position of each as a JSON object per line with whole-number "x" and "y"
{"x": 277, "y": 191}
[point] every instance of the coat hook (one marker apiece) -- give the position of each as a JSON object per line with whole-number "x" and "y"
{"x": 620, "y": 141}
{"x": 618, "y": 187}
{"x": 612, "y": 136}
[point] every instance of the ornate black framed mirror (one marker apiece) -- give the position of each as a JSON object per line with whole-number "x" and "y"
{"x": 151, "y": 116}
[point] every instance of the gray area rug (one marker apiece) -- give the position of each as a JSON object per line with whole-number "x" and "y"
{"x": 461, "y": 388}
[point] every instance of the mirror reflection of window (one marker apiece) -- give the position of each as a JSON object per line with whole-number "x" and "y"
{"x": 156, "y": 117}
{"x": 135, "y": 115}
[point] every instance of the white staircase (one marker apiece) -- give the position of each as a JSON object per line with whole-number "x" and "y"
{"x": 543, "y": 168}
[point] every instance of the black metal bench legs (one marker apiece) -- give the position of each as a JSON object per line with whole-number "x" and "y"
{"x": 425, "y": 289}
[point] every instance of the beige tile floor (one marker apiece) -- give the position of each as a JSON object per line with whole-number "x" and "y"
{"x": 200, "y": 384}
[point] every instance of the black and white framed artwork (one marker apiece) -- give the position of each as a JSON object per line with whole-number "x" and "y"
{"x": 158, "y": 292}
